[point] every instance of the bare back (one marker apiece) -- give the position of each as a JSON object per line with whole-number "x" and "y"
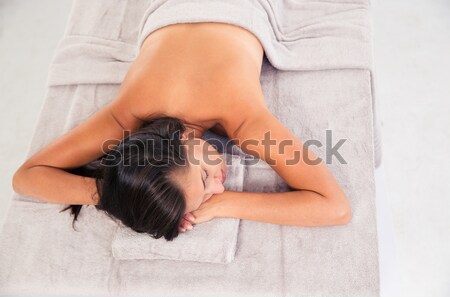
{"x": 205, "y": 74}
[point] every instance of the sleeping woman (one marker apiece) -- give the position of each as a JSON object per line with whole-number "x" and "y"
{"x": 150, "y": 167}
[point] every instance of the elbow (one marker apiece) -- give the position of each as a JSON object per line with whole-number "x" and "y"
{"x": 18, "y": 181}
{"x": 342, "y": 211}
{"x": 344, "y": 216}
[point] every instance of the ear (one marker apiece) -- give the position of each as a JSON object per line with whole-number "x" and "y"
{"x": 184, "y": 136}
{"x": 188, "y": 134}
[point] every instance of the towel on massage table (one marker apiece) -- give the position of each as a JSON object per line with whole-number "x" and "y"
{"x": 213, "y": 241}
{"x": 330, "y": 90}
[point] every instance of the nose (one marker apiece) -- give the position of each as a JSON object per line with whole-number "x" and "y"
{"x": 218, "y": 185}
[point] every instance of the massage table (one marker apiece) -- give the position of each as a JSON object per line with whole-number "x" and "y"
{"x": 42, "y": 254}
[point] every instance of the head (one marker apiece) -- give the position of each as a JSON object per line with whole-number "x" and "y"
{"x": 156, "y": 175}
{"x": 205, "y": 173}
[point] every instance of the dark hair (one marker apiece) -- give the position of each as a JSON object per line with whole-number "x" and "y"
{"x": 135, "y": 180}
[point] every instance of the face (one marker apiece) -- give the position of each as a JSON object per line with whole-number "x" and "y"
{"x": 205, "y": 175}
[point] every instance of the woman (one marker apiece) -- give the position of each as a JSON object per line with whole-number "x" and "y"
{"x": 187, "y": 78}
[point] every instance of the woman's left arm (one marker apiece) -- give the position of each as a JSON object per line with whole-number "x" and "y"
{"x": 294, "y": 208}
{"x": 316, "y": 199}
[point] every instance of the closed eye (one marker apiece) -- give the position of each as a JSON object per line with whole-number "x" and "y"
{"x": 203, "y": 180}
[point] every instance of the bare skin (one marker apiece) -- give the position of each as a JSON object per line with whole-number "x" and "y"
{"x": 200, "y": 65}
{"x": 207, "y": 75}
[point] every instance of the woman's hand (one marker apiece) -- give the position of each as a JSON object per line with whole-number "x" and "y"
{"x": 207, "y": 211}
{"x": 186, "y": 222}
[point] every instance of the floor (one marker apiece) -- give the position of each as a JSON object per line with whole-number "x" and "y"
{"x": 412, "y": 71}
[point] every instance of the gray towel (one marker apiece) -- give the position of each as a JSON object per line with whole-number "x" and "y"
{"x": 41, "y": 253}
{"x": 213, "y": 241}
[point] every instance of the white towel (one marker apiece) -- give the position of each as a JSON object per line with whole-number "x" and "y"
{"x": 213, "y": 241}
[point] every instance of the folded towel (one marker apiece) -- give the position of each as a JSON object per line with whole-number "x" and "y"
{"x": 213, "y": 241}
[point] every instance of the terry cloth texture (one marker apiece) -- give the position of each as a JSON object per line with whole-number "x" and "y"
{"x": 42, "y": 254}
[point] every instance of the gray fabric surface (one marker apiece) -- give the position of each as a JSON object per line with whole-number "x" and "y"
{"x": 212, "y": 242}
{"x": 41, "y": 254}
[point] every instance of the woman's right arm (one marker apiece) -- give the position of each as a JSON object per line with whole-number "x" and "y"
{"x": 43, "y": 176}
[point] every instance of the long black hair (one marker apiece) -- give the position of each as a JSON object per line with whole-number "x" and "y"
{"x": 135, "y": 180}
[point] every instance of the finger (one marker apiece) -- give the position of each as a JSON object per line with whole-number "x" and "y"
{"x": 189, "y": 217}
{"x": 193, "y": 216}
{"x": 186, "y": 225}
{"x": 181, "y": 229}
